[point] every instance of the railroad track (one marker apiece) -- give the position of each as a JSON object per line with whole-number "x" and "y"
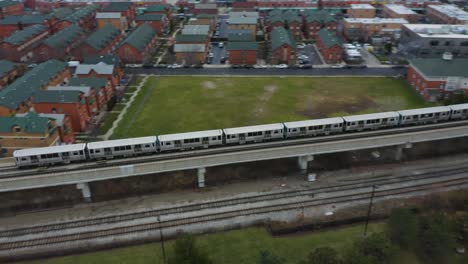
{"x": 227, "y": 202}
{"x": 227, "y": 215}
{"x": 226, "y": 149}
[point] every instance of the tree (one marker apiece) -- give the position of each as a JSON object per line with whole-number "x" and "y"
{"x": 436, "y": 240}
{"x": 403, "y": 228}
{"x": 186, "y": 252}
{"x": 266, "y": 257}
{"x": 323, "y": 255}
{"x": 376, "y": 248}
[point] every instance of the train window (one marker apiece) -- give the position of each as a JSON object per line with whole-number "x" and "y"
{"x": 276, "y": 131}
{"x": 43, "y": 156}
{"x": 147, "y": 145}
{"x": 228, "y": 136}
{"x": 368, "y": 121}
{"x": 249, "y": 134}
{"x": 213, "y": 138}
{"x": 233, "y": 136}
{"x": 90, "y": 151}
{"x": 168, "y": 143}
{"x": 327, "y": 126}
{"x": 464, "y": 110}
{"x": 24, "y": 159}
{"x": 128, "y": 147}
{"x": 116, "y": 148}
{"x": 55, "y": 155}
{"x": 348, "y": 124}
{"x": 219, "y": 137}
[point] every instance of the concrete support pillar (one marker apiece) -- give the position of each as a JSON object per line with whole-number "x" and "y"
{"x": 85, "y": 191}
{"x": 399, "y": 150}
{"x": 201, "y": 177}
{"x": 303, "y": 162}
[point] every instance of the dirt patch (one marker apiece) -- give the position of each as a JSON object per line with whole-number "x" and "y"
{"x": 269, "y": 90}
{"x": 324, "y": 107}
{"x": 209, "y": 85}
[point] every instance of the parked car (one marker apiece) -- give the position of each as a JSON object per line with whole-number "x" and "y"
{"x": 305, "y": 66}
{"x": 221, "y": 44}
{"x": 257, "y": 66}
{"x": 300, "y": 46}
{"x": 134, "y": 65}
{"x": 337, "y": 66}
{"x": 281, "y": 66}
{"x": 174, "y": 66}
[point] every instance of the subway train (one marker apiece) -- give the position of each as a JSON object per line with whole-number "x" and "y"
{"x": 110, "y": 149}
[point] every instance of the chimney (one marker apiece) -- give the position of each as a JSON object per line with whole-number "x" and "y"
{"x": 447, "y": 56}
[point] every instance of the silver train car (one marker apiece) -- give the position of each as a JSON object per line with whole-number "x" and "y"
{"x": 111, "y": 149}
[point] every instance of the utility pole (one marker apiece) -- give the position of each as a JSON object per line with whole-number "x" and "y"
{"x": 370, "y": 208}
{"x": 162, "y": 241}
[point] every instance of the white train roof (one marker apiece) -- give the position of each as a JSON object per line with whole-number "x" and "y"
{"x": 459, "y": 106}
{"x": 316, "y": 122}
{"x": 48, "y": 150}
{"x": 197, "y": 134}
{"x": 248, "y": 129}
{"x": 121, "y": 142}
{"x": 370, "y": 116}
{"x": 426, "y": 110}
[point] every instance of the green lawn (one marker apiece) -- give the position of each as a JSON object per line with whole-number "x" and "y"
{"x": 108, "y": 122}
{"x": 130, "y": 89}
{"x": 233, "y": 247}
{"x": 181, "y": 104}
{"x": 118, "y": 107}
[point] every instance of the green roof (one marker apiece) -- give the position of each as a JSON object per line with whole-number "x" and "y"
{"x": 20, "y": 36}
{"x": 100, "y": 38}
{"x": 6, "y": 3}
{"x": 62, "y": 12}
{"x": 25, "y": 20}
{"x": 275, "y": 18}
{"x": 151, "y": 17}
{"x": 440, "y": 67}
{"x": 157, "y": 8}
{"x": 25, "y": 86}
{"x": 205, "y": 16}
{"x": 6, "y": 66}
{"x": 30, "y": 123}
{"x": 240, "y": 35}
{"x": 329, "y": 38}
{"x": 188, "y": 38}
{"x": 117, "y": 7}
{"x": 64, "y": 37}
{"x": 320, "y": 16}
{"x": 140, "y": 37}
{"x": 280, "y": 36}
{"x": 81, "y": 13}
{"x": 94, "y": 82}
{"x": 57, "y": 96}
{"x": 247, "y": 45}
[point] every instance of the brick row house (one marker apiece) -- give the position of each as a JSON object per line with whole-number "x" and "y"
{"x": 161, "y": 9}
{"x": 84, "y": 17}
{"x": 243, "y": 52}
{"x": 20, "y": 46}
{"x": 138, "y": 45}
{"x": 361, "y": 11}
{"x": 89, "y": 94}
{"x": 330, "y": 46}
{"x": 447, "y": 14}
{"x": 244, "y": 23}
{"x": 363, "y": 29}
{"x": 102, "y": 86}
{"x": 61, "y": 121}
{"x": 283, "y": 47}
{"x": 112, "y": 18}
{"x": 158, "y": 22}
{"x": 400, "y": 11}
{"x": 191, "y": 45}
{"x": 11, "y": 8}
{"x": 126, "y": 9}
{"x": 438, "y": 78}
{"x": 101, "y": 69}
{"x": 289, "y": 19}
{"x": 61, "y": 44}
{"x": 31, "y": 130}
{"x": 314, "y": 21}
{"x": 9, "y": 71}
{"x": 101, "y": 42}
{"x": 10, "y": 24}
{"x": 17, "y": 97}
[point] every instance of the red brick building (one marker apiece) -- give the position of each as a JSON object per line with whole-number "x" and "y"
{"x": 162, "y": 9}
{"x": 314, "y": 21}
{"x": 447, "y": 14}
{"x": 11, "y": 8}
{"x": 90, "y": 96}
{"x": 9, "y": 71}
{"x": 101, "y": 86}
{"x": 61, "y": 44}
{"x": 19, "y": 47}
{"x": 110, "y": 72}
{"x": 243, "y": 52}
{"x": 61, "y": 121}
{"x": 435, "y": 78}
{"x": 101, "y": 42}
{"x": 158, "y": 22}
{"x": 71, "y": 103}
{"x": 211, "y": 9}
{"x": 138, "y": 45}
{"x": 10, "y": 24}
{"x": 127, "y": 9}
{"x": 283, "y": 47}
{"x": 84, "y": 17}
{"x": 330, "y": 46}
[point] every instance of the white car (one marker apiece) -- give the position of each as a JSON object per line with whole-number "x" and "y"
{"x": 300, "y": 46}
{"x": 174, "y": 66}
{"x": 221, "y": 44}
{"x": 134, "y": 65}
{"x": 256, "y": 66}
{"x": 211, "y": 55}
{"x": 281, "y": 66}
{"x": 337, "y": 66}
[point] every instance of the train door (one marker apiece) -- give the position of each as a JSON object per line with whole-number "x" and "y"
{"x": 327, "y": 129}
{"x": 302, "y": 131}
{"x": 177, "y": 144}
{"x": 66, "y": 157}
{"x": 267, "y": 134}
{"x": 137, "y": 148}
{"x": 205, "y": 141}
{"x": 361, "y": 125}
{"x": 384, "y": 121}
{"x": 34, "y": 160}
{"x": 107, "y": 152}
{"x": 242, "y": 138}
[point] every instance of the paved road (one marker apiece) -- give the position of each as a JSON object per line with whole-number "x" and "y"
{"x": 273, "y": 72}
{"x": 218, "y": 53}
{"x": 310, "y": 51}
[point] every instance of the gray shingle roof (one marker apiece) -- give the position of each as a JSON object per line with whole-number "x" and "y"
{"x": 81, "y": 13}
{"x": 196, "y": 30}
{"x": 280, "y": 36}
{"x": 439, "y": 67}
{"x": 29, "y": 123}
{"x": 248, "y": 45}
{"x": 151, "y": 17}
{"x": 140, "y": 37}
{"x": 181, "y": 38}
{"x": 62, "y": 12}
{"x": 25, "y": 86}
{"x": 102, "y": 37}
{"x": 239, "y": 35}
{"x": 106, "y": 15}
{"x": 25, "y": 20}
{"x": 64, "y": 37}
{"x": 117, "y": 7}
{"x": 6, "y": 66}
{"x": 242, "y": 20}
{"x": 100, "y": 68}
{"x": 58, "y": 117}
{"x": 95, "y": 82}
{"x": 47, "y": 96}
{"x": 20, "y": 36}
{"x": 320, "y": 16}
{"x": 6, "y": 3}
{"x": 329, "y": 38}
{"x": 189, "y": 48}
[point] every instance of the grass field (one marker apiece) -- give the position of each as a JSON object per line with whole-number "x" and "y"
{"x": 110, "y": 118}
{"x": 182, "y": 104}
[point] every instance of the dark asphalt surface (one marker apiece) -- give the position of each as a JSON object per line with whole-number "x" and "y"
{"x": 270, "y": 72}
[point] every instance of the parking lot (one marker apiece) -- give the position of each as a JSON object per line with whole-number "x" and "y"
{"x": 309, "y": 55}
{"x": 217, "y": 53}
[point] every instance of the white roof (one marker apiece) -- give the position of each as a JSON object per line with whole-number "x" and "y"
{"x": 197, "y": 134}
{"x": 107, "y": 15}
{"x": 361, "y": 6}
{"x": 400, "y": 9}
{"x": 426, "y": 110}
{"x": 248, "y": 129}
{"x": 316, "y": 122}
{"x": 244, "y": 14}
{"x": 377, "y": 20}
{"x": 439, "y": 30}
{"x": 370, "y": 116}
{"x": 459, "y": 106}
{"x": 100, "y": 68}
{"x": 451, "y": 11}
{"x": 48, "y": 150}
{"x": 189, "y": 48}
{"x": 121, "y": 142}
